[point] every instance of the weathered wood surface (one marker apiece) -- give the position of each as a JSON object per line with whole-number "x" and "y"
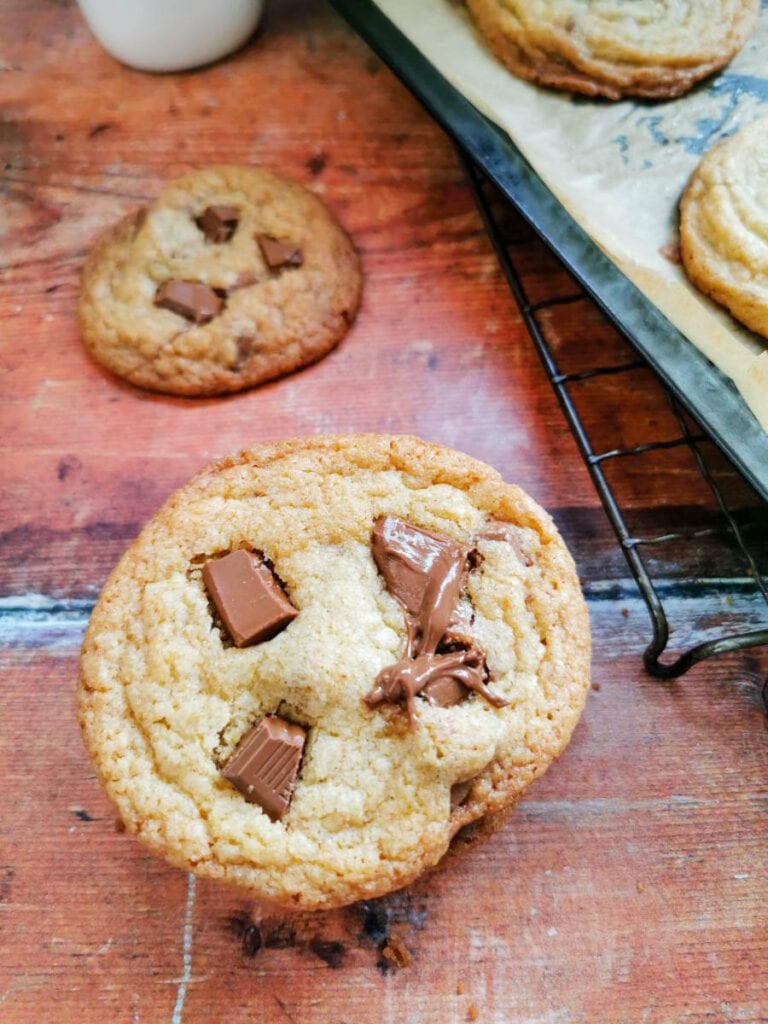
{"x": 631, "y": 884}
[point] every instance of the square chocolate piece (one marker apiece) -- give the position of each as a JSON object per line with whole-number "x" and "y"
{"x": 265, "y": 764}
{"x": 248, "y": 597}
{"x": 218, "y": 223}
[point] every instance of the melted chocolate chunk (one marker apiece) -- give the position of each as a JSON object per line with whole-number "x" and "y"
{"x": 426, "y": 574}
{"x": 265, "y": 764}
{"x": 410, "y": 559}
{"x": 445, "y": 691}
{"x": 278, "y": 254}
{"x": 218, "y": 223}
{"x": 248, "y": 597}
{"x": 193, "y": 301}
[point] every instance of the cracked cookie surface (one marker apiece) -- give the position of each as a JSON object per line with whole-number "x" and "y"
{"x": 285, "y": 284}
{"x": 651, "y": 48}
{"x": 164, "y": 698}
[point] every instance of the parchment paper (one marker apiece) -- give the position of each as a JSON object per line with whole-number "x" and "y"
{"x": 619, "y": 168}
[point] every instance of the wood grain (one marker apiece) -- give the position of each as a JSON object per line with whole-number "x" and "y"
{"x": 631, "y": 884}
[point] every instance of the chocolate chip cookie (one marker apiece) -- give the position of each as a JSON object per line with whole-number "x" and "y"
{"x": 724, "y": 225}
{"x": 613, "y": 48}
{"x": 324, "y": 657}
{"x": 233, "y": 276}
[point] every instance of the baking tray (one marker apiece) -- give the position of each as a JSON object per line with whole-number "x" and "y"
{"x": 703, "y": 390}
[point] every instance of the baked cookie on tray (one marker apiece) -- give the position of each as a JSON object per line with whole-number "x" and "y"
{"x": 613, "y": 48}
{"x": 233, "y": 276}
{"x": 324, "y": 657}
{"x": 724, "y": 225}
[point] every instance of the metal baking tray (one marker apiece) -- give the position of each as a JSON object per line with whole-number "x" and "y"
{"x": 703, "y": 390}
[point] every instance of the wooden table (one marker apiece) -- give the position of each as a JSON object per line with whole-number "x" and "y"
{"x": 631, "y": 884}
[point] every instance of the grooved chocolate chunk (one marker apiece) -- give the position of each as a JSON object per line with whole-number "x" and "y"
{"x": 409, "y": 557}
{"x": 445, "y": 691}
{"x": 496, "y": 530}
{"x": 279, "y": 254}
{"x": 265, "y": 764}
{"x": 195, "y": 302}
{"x": 218, "y": 223}
{"x": 247, "y": 596}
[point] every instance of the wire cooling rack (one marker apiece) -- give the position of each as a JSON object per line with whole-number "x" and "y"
{"x": 715, "y": 542}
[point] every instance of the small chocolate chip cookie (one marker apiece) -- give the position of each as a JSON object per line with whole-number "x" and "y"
{"x": 232, "y": 277}
{"x": 325, "y": 657}
{"x": 613, "y": 48}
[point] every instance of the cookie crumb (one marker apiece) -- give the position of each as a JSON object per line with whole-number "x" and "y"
{"x": 670, "y": 251}
{"x": 395, "y": 954}
{"x": 472, "y": 1012}
{"x": 640, "y": 887}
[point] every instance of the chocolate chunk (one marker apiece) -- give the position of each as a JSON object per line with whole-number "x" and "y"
{"x": 410, "y": 559}
{"x": 244, "y": 344}
{"x": 265, "y": 764}
{"x": 247, "y": 596}
{"x": 496, "y": 530}
{"x": 279, "y": 254}
{"x": 426, "y": 573}
{"x": 195, "y": 302}
{"x": 246, "y": 279}
{"x": 218, "y": 223}
{"x": 460, "y": 792}
{"x": 445, "y": 691}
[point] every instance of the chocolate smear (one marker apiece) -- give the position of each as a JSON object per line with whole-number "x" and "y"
{"x": 426, "y": 574}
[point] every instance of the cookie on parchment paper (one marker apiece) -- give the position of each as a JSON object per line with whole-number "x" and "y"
{"x": 724, "y": 225}
{"x": 324, "y": 657}
{"x": 651, "y": 48}
{"x": 233, "y": 276}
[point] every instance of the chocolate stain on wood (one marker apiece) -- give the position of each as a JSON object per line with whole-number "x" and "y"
{"x": 67, "y": 466}
{"x": 247, "y": 931}
{"x": 7, "y": 874}
{"x": 99, "y": 129}
{"x": 375, "y": 920}
{"x": 316, "y": 164}
{"x": 330, "y": 951}
{"x": 84, "y": 816}
{"x": 299, "y": 933}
